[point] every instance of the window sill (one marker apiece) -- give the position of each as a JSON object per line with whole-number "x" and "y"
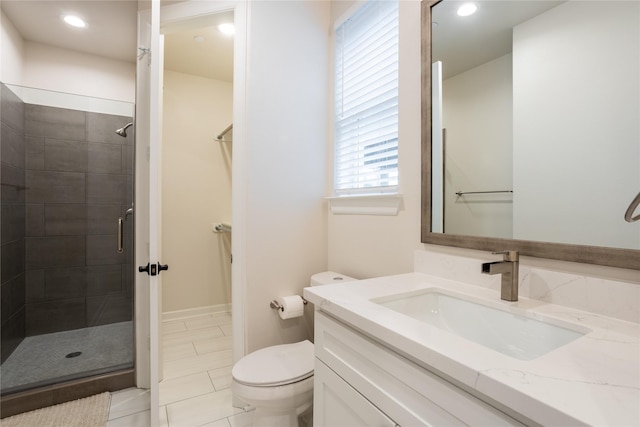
{"x": 379, "y": 204}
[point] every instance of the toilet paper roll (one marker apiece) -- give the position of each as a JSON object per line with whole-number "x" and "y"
{"x": 292, "y": 306}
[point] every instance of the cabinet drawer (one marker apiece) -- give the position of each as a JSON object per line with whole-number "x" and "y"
{"x": 337, "y": 404}
{"x": 406, "y": 392}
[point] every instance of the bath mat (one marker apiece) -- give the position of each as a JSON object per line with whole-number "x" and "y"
{"x": 92, "y": 411}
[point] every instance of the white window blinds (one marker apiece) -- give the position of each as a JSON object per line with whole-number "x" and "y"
{"x": 366, "y": 109}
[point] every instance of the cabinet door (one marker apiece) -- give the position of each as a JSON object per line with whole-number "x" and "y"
{"x": 405, "y": 391}
{"x": 337, "y": 404}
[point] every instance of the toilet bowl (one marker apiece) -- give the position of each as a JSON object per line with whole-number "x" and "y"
{"x": 278, "y": 380}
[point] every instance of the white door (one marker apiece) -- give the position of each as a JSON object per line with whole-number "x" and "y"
{"x": 147, "y": 204}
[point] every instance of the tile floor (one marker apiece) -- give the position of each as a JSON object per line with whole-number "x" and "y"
{"x": 196, "y": 389}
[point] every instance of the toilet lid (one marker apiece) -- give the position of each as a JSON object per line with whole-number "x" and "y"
{"x": 276, "y": 365}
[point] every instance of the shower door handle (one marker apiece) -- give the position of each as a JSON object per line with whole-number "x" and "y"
{"x": 120, "y": 235}
{"x": 121, "y": 221}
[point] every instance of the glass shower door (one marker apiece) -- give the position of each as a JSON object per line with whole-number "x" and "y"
{"x": 67, "y": 293}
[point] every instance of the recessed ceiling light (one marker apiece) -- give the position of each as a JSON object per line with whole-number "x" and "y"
{"x": 227, "y": 29}
{"x": 74, "y": 21}
{"x": 467, "y": 9}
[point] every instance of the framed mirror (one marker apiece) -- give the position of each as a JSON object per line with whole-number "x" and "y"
{"x": 531, "y": 129}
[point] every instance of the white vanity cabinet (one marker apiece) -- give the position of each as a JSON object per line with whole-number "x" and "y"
{"x": 359, "y": 382}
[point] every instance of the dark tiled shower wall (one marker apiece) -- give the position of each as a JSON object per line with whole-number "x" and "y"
{"x": 79, "y": 181}
{"x": 12, "y": 232}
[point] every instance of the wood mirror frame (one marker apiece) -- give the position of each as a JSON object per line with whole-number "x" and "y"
{"x": 614, "y": 257}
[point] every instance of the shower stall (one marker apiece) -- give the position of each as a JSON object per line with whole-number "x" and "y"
{"x": 66, "y": 169}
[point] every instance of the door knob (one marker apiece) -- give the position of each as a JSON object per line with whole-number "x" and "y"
{"x": 153, "y": 269}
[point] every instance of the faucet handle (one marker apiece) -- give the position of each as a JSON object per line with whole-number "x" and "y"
{"x": 508, "y": 255}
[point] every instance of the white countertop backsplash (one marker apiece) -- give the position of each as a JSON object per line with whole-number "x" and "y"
{"x": 594, "y": 380}
{"x": 612, "y": 298}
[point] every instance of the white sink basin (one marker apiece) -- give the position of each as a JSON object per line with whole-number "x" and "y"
{"x": 510, "y": 332}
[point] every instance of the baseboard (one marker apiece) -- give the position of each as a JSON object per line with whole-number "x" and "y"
{"x": 198, "y": 311}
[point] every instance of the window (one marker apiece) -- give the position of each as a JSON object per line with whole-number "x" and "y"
{"x": 366, "y": 101}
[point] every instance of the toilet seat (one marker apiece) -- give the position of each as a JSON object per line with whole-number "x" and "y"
{"x": 276, "y": 365}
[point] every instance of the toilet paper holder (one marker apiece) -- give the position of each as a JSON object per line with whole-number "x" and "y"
{"x": 276, "y": 306}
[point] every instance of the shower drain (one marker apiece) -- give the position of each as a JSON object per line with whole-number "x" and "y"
{"x": 74, "y": 354}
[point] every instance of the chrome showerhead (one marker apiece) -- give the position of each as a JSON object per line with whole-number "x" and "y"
{"x": 123, "y": 130}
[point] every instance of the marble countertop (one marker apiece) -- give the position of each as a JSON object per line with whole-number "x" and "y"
{"x": 594, "y": 380}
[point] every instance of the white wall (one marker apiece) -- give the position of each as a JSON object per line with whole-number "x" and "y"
{"x": 367, "y": 246}
{"x": 35, "y": 65}
{"x": 477, "y": 111}
{"x": 286, "y": 156}
{"x": 581, "y": 173}
{"x": 11, "y": 52}
{"x": 196, "y": 192}
{"x": 52, "y": 68}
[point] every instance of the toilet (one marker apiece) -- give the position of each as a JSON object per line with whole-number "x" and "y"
{"x": 278, "y": 380}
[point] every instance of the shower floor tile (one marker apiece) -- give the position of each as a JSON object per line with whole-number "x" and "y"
{"x": 42, "y": 359}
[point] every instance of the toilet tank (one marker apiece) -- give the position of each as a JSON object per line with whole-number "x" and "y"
{"x": 329, "y": 278}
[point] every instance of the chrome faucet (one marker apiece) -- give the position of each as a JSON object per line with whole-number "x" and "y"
{"x": 508, "y": 267}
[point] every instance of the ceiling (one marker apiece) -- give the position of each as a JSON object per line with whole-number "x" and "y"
{"x": 111, "y": 33}
{"x": 464, "y": 43}
{"x": 211, "y": 57}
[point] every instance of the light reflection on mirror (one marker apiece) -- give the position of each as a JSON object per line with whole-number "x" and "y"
{"x": 536, "y": 132}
